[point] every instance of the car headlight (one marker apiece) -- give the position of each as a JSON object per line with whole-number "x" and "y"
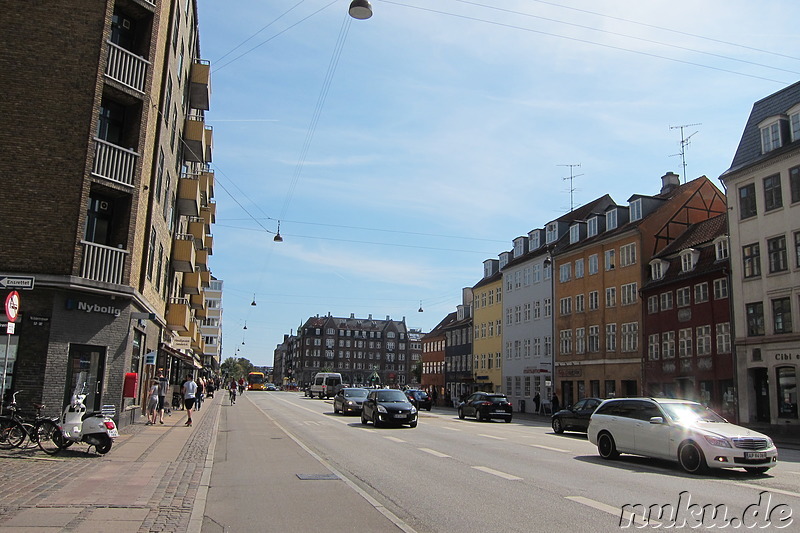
{"x": 719, "y": 442}
{"x": 413, "y": 410}
{"x": 770, "y": 444}
{"x": 350, "y": 402}
{"x": 381, "y": 409}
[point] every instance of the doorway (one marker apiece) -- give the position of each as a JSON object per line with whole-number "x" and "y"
{"x": 761, "y": 386}
{"x": 85, "y": 374}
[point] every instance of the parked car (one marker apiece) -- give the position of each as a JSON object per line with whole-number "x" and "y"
{"x": 349, "y": 400}
{"x": 420, "y": 399}
{"x": 485, "y": 406}
{"x": 575, "y": 417}
{"x": 678, "y": 430}
{"x": 388, "y": 406}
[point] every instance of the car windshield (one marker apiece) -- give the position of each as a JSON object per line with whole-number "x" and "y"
{"x": 356, "y": 393}
{"x": 391, "y": 396}
{"x": 690, "y": 412}
{"x": 419, "y": 394}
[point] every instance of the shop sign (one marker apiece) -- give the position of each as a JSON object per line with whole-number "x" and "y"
{"x": 93, "y": 308}
{"x": 787, "y": 356}
{"x": 570, "y": 372}
{"x": 181, "y": 343}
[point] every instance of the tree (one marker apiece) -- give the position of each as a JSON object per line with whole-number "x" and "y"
{"x": 236, "y": 368}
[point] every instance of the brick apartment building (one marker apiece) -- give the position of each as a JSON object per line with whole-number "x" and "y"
{"x": 107, "y": 196}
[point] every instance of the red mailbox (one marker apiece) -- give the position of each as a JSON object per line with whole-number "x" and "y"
{"x": 130, "y": 386}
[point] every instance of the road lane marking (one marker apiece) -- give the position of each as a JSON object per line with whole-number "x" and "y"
{"x": 549, "y": 448}
{"x": 491, "y": 436}
{"x": 450, "y": 429}
{"x": 615, "y": 511}
{"x": 763, "y": 487}
{"x": 394, "y": 439}
{"x": 433, "y": 452}
{"x": 497, "y": 473}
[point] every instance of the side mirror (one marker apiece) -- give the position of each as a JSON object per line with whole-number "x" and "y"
{"x": 656, "y": 420}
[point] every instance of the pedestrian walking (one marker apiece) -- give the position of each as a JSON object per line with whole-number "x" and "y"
{"x": 163, "y": 389}
{"x": 189, "y": 389}
{"x": 198, "y": 396}
{"x": 537, "y": 401}
{"x": 152, "y": 403}
{"x": 554, "y": 403}
{"x": 435, "y": 395}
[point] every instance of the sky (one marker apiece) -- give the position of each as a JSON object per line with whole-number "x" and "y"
{"x": 400, "y": 152}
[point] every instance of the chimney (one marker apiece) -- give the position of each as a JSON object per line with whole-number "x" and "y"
{"x": 669, "y": 182}
{"x": 370, "y": 316}
{"x": 387, "y": 318}
{"x": 352, "y": 315}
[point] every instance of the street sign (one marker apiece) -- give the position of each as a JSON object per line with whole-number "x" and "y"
{"x": 17, "y": 282}
{"x": 10, "y": 328}
{"x": 12, "y": 306}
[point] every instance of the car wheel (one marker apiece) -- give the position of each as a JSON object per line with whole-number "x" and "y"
{"x": 413, "y": 424}
{"x": 508, "y": 420}
{"x": 478, "y": 415}
{"x": 691, "y": 458}
{"x": 558, "y": 427}
{"x": 460, "y": 413}
{"x": 428, "y": 408}
{"x": 335, "y": 409}
{"x": 376, "y": 421}
{"x": 363, "y": 418}
{"x": 756, "y": 469}
{"x": 606, "y": 446}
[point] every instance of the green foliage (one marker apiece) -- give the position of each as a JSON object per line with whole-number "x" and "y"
{"x": 236, "y": 368}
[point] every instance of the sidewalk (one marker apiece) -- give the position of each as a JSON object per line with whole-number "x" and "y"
{"x": 154, "y": 479}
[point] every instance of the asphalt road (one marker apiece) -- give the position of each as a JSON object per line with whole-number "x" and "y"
{"x": 451, "y": 475}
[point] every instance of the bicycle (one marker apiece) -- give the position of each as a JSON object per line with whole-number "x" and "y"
{"x": 41, "y": 430}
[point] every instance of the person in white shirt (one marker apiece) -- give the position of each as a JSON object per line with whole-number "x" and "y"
{"x": 189, "y": 390}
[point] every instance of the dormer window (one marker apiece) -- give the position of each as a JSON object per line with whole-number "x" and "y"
{"x": 611, "y": 220}
{"x": 574, "y": 233}
{"x": 689, "y": 259}
{"x": 636, "y": 209}
{"x": 534, "y": 240}
{"x": 794, "y": 124}
{"x": 518, "y": 247}
{"x": 770, "y": 136}
{"x": 591, "y": 227}
{"x": 658, "y": 267}
{"x": 721, "y": 248}
{"x": 552, "y": 233}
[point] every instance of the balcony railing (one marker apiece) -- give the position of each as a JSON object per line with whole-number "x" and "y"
{"x": 200, "y": 88}
{"x": 114, "y": 162}
{"x": 103, "y": 263}
{"x": 126, "y": 67}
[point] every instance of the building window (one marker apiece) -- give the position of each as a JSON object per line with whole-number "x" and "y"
{"x": 721, "y": 248}
{"x": 683, "y": 297}
{"x": 611, "y": 220}
{"x": 653, "y": 342}
{"x": 565, "y": 272}
{"x": 551, "y": 233}
{"x": 794, "y": 183}
{"x": 751, "y": 256}
{"x": 594, "y": 339}
{"x": 773, "y": 199}
{"x": 580, "y": 303}
{"x": 755, "y": 319}
{"x": 537, "y": 310}
{"x": 580, "y": 340}
{"x": 668, "y": 345}
{"x": 533, "y": 240}
{"x": 794, "y": 126}
{"x": 770, "y": 137}
{"x": 636, "y": 209}
{"x": 776, "y": 248}
{"x": 747, "y": 201}
{"x": 565, "y": 341}
{"x": 610, "y": 255}
{"x": 652, "y": 305}
{"x": 685, "y": 342}
{"x": 627, "y": 254}
{"x": 574, "y": 233}
{"x": 629, "y": 293}
{"x": 594, "y": 301}
{"x": 591, "y": 227}
{"x": 701, "y": 292}
{"x": 611, "y": 296}
{"x": 657, "y": 270}
{"x": 797, "y": 249}
{"x": 593, "y": 264}
{"x": 688, "y": 258}
{"x": 787, "y": 391}
{"x": 781, "y": 315}
{"x": 526, "y": 312}
{"x": 666, "y": 300}
{"x": 724, "y": 337}
{"x": 630, "y": 337}
{"x": 548, "y": 307}
{"x": 151, "y": 254}
{"x": 611, "y": 337}
{"x": 703, "y": 340}
{"x": 565, "y": 305}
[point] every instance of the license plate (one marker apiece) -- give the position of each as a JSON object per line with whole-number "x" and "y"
{"x": 400, "y": 416}
{"x": 755, "y": 455}
{"x": 113, "y": 433}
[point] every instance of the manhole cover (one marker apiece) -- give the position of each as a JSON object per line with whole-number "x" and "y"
{"x": 318, "y": 477}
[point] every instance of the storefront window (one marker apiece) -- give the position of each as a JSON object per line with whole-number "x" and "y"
{"x": 787, "y": 392}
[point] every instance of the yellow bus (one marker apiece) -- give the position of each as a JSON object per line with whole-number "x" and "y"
{"x": 255, "y": 381}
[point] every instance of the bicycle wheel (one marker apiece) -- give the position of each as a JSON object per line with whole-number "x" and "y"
{"x": 49, "y": 436}
{"x": 11, "y": 434}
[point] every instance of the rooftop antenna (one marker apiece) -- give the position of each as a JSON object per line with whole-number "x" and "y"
{"x": 571, "y": 179}
{"x": 684, "y": 144}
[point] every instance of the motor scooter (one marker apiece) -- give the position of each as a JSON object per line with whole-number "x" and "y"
{"x": 94, "y": 428}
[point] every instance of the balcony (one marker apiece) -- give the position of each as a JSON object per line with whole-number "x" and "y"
{"x": 192, "y": 282}
{"x": 183, "y": 253}
{"x": 209, "y": 213}
{"x": 200, "y": 87}
{"x": 126, "y": 68}
{"x": 114, "y": 163}
{"x": 207, "y": 184}
{"x": 194, "y": 136}
{"x": 201, "y": 259}
{"x": 188, "y": 196}
{"x": 205, "y": 278}
{"x": 178, "y": 317}
{"x": 197, "y": 301}
{"x": 103, "y": 263}
{"x": 197, "y": 229}
{"x": 209, "y": 242}
{"x": 209, "y": 135}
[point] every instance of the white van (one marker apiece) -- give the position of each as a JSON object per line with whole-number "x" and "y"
{"x": 326, "y": 384}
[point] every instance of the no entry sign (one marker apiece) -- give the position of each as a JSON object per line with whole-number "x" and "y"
{"x": 12, "y": 306}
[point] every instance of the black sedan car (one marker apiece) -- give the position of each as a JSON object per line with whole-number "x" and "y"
{"x": 388, "y": 407}
{"x": 485, "y": 406}
{"x": 420, "y": 399}
{"x": 349, "y": 400}
{"x": 576, "y": 417}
